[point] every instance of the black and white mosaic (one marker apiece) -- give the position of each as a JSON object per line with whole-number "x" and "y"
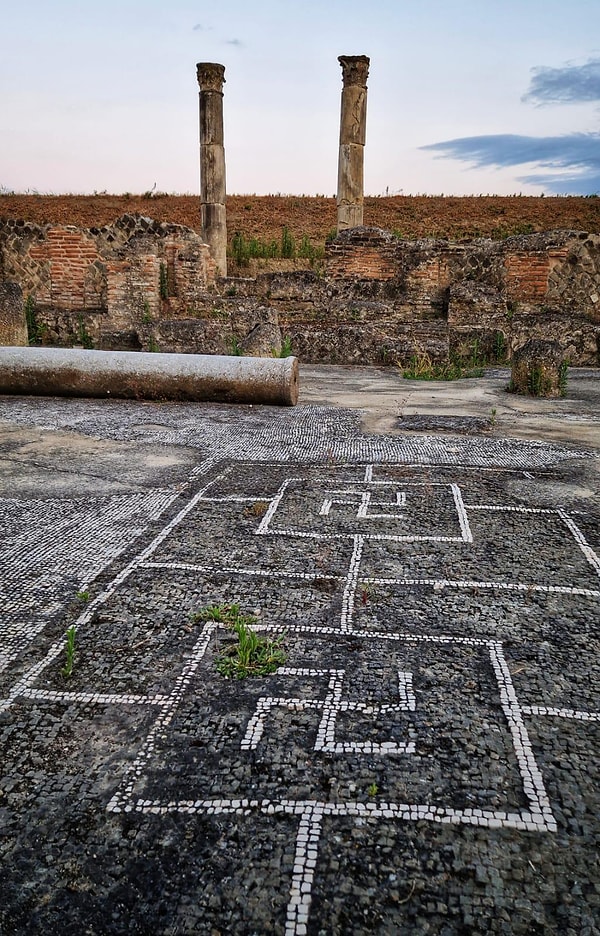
{"x": 426, "y": 760}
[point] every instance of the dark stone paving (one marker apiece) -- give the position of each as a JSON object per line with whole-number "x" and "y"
{"x": 426, "y": 761}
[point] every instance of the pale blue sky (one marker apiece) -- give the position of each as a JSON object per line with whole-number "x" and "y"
{"x": 465, "y": 96}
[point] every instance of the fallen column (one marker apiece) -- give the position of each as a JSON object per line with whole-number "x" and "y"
{"x": 148, "y": 376}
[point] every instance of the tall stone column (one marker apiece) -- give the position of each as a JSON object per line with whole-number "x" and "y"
{"x": 211, "y": 78}
{"x": 353, "y": 128}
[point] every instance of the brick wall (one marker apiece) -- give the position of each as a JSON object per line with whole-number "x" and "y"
{"x": 362, "y": 254}
{"x": 104, "y": 283}
{"x": 527, "y": 276}
{"x": 75, "y": 278}
{"x": 140, "y": 284}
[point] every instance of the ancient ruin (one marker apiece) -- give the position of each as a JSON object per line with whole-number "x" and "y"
{"x": 134, "y": 375}
{"x": 140, "y": 285}
{"x": 353, "y": 129}
{"x": 211, "y": 78}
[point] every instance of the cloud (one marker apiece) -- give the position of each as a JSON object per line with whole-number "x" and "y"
{"x": 573, "y": 160}
{"x": 200, "y": 27}
{"x": 234, "y": 42}
{"x": 573, "y": 84}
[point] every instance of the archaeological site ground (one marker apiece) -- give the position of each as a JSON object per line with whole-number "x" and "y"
{"x": 424, "y": 759}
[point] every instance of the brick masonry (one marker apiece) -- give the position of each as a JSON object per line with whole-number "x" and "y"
{"x": 141, "y": 284}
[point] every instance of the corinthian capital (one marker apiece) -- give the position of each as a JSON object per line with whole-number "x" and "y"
{"x": 211, "y": 77}
{"x": 355, "y": 70}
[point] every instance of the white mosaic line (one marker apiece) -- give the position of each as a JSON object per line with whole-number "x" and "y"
{"x": 120, "y": 801}
{"x": 305, "y": 862}
{"x": 410, "y": 812}
{"x": 581, "y": 541}
{"x": 237, "y": 499}
{"x": 275, "y": 502}
{"x": 235, "y": 570}
{"x": 462, "y": 514}
{"x": 368, "y": 478}
{"x": 351, "y": 583}
{"x": 533, "y": 782}
{"x": 508, "y": 509}
{"x": 331, "y": 706}
{"x": 88, "y": 613}
{"x": 560, "y": 712}
{"x": 438, "y": 584}
{"x": 101, "y": 698}
{"x": 383, "y": 537}
{"x": 353, "y": 631}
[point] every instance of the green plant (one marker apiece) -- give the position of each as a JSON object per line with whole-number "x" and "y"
{"x": 331, "y": 235}
{"x": 562, "y": 377}
{"x": 367, "y": 592}
{"x": 288, "y": 247}
{"x": 421, "y": 367}
{"x": 35, "y": 330}
{"x": 286, "y": 348}
{"x": 147, "y": 316}
{"x": 70, "y": 652}
{"x": 231, "y": 291}
{"x": 85, "y": 338}
{"x": 239, "y": 249}
{"x": 308, "y": 251}
{"x": 83, "y": 596}
{"x": 493, "y": 415}
{"x": 372, "y": 789}
{"x": 252, "y": 654}
{"x": 234, "y": 347}
{"x": 163, "y": 282}
{"x": 537, "y": 381}
{"x": 499, "y": 347}
{"x": 153, "y": 346}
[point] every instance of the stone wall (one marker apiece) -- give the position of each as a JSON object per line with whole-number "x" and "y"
{"x": 99, "y": 286}
{"x": 140, "y": 284}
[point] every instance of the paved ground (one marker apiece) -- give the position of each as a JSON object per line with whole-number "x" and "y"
{"x": 426, "y": 761}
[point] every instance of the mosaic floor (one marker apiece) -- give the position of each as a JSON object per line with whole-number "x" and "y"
{"x": 426, "y": 761}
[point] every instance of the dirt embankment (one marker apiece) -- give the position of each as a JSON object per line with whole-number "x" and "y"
{"x": 264, "y": 216}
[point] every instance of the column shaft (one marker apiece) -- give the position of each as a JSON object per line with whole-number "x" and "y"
{"x": 211, "y": 78}
{"x": 353, "y": 127}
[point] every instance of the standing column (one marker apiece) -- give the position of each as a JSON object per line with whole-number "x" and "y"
{"x": 211, "y": 78}
{"x": 353, "y": 128}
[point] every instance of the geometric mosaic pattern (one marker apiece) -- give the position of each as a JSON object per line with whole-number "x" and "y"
{"x": 399, "y": 589}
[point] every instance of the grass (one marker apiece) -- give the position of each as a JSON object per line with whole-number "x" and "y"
{"x": 539, "y": 381}
{"x": 242, "y": 249}
{"x": 35, "y": 329}
{"x": 67, "y": 669}
{"x": 421, "y": 366}
{"x": 286, "y": 348}
{"x": 234, "y": 347}
{"x": 252, "y": 654}
{"x": 85, "y": 338}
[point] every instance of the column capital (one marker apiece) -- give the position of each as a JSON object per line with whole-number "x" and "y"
{"x": 211, "y": 77}
{"x": 355, "y": 70}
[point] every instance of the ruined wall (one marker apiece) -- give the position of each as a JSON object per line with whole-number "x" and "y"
{"x": 139, "y": 284}
{"x": 97, "y": 286}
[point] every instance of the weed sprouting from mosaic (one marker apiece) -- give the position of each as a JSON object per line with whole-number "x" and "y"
{"x": 252, "y": 654}
{"x": 67, "y": 669}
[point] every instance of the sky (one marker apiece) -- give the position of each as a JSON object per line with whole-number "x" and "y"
{"x": 465, "y": 96}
